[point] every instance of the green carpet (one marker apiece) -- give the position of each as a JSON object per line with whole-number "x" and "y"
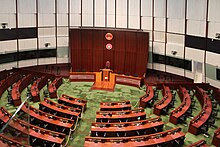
{"x": 122, "y": 92}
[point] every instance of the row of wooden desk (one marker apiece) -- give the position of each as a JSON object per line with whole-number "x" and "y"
{"x": 63, "y": 121}
{"x": 82, "y": 76}
{"x": 54, "y": 85}
{"x": 163, "y": 105}
{"x": 120, "y": 116}
{"x": 38, "y": 136}
{"x": 173, "y": 137}
{"x": 38, "y": 85}
{"x": 19, "y": 87}
{"x": 73, "y": 102}
{"x": 200, "y": 143}
{"x": 9, "y": 81}
{"x": 5, "y": 141}
{"x": 48, "y": 121}
{"x": 23, "y": 79}
{"x": 147, "y": 99}
{"x": 115, "y": 106}
{"x": 129, "y": 80}
{"x": 117, "y": 119}
{"x": 127, "y": 128}
{"x": 59, "y": 109}
{"x": 133, "y": 128}
{"x": 5, "y": 73}
{"x": 201, "y": 119}
{"x": 119, "y": 79}
{"x": 184, "y": 109}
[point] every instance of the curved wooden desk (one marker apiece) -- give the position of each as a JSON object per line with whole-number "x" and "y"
{"x": 54, "y": 86}
{"x": 73, "y": 102}
{"x": 129, "y": 80}
{"x": 135, "y": 128}
{"x": 115, "y": 106}
{"x": 8, "y": 81}
{"x": 173, "y": 137}
{"x": 163, "y": 104}
{"x": 6, "y": 141}
{"x": 120, "y": 116}
{"x": 59, "y": 109}
{"x": 19, "y": 87}
{"x": 200, "y": 143}
{"x": 148, "y": 97}
{"x": 38, "y": 136}
{"x": 82, "y": 76}
{"x": 49, "y": 121}
{"x": 184, "y": 107}
{"x": 197, "y": 122}
{"x": 37, "y": 86}
{"x": 5, "y": 73}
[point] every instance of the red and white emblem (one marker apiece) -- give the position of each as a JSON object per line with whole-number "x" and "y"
{"x": 108, "y": 46}
{"x": 108, "y": 36}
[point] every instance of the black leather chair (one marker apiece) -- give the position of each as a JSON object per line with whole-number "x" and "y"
{"x": 204, "y": 130}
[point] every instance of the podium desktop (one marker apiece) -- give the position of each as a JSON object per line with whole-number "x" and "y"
{"x": 106, "y": 74}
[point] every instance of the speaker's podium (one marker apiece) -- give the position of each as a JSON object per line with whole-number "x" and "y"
{"x": 106, "y": 74}
{"x": 104, "y": 80}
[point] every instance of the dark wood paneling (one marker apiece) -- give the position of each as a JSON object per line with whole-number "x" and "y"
{"x": 98, "y": 49}
{"x": 87, "y": 50}
{"x": 75, "y": 45}
{"x": 130, "y": 58}
{"x": 142, "y": 53}
{"x": 119, "y": 51}
{"x": 129, "y": 53}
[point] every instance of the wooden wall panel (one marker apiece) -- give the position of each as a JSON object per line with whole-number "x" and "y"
{"x": 119, "y": 51}
{"x": 87, "y": 50}
{"x": 129, "y": 53}
{"x": 130, "y": 58}
{"x": 142, "y": 53}
{"x": 98, "y": 49}
{"x": 75, "y": 45}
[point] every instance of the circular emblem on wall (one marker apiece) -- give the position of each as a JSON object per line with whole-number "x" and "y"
{"x": 108, "y": 46}
{"x": 108, "y": 36}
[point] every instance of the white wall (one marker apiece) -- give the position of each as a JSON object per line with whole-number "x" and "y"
{"x": 87, "y": 13}
{"x": 8, "y": 65}
{"x": 121, "y": 14}
{"x": 7, "y": 12}
{"x": 134, "y": 14}
{"x": 176, "y": 16}
{"x": 110, "y": 13}
{"x": 75, "y": 13}
{"x": 99, "y": 13}
{"x": 196, "y": 19}
{"x": 214, "y": 18}
{"x": 146, "y": 15}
